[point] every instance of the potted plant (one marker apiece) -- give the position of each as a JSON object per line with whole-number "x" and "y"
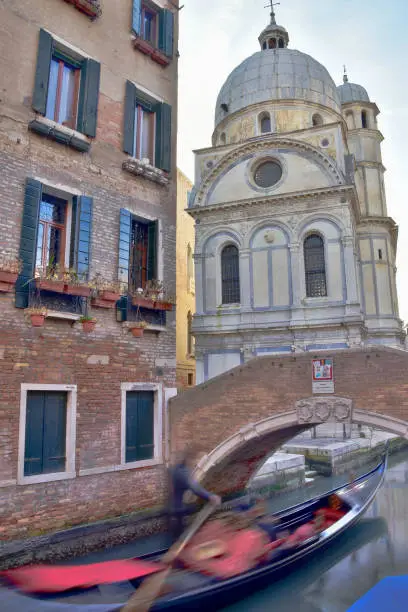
{"x": 50, "y": 278}
{"x": 37, "y": 315}
{"x": 137, "y": 328}
{"x": 9, "y": 271}
{"x": 88, "y": 323}
{"x": 75, "y": 285}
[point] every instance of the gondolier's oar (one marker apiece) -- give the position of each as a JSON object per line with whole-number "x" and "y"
{"x": 146, "y": 594}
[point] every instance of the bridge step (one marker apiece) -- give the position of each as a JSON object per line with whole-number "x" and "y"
{"x": 309, "y": 481}
{"x": 310, "y": 473}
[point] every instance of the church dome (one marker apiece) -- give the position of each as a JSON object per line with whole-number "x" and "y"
{"x": 276, "y": 74}
{"x": 351, "y": 92}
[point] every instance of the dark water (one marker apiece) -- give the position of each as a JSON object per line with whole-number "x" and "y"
{"x": 334, "y": 579}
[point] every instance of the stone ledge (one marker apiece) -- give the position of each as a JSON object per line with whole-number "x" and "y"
{"x": 60, "y": 133}
{"x": 143, "y": 168}
{"x": 91, "y": 8}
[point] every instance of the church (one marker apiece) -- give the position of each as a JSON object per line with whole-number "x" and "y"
{"x": 294, "y": 247}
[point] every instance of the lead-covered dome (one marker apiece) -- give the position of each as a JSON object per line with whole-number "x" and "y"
{"x": 276, "y": 74}
{"x": 351, "y": 92}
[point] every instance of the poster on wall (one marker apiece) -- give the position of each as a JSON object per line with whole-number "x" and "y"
{"x": 322, "y": 376}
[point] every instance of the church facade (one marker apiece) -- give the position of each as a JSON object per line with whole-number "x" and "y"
{"x": 294, "y": 249}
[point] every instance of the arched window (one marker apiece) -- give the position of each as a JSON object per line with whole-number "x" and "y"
{"x": 264, "y": 123}
{"x": 190, "y": 338}
{"x": 223, "y": 138}
{"x": 264, "y": 45}
{"x": 364, "y": 119}
{"x": 230, "y": 275}
{"x": 317, "y": 120}
{"x": 272, "y": 43}
{"x": 281, "y": 43}
{"x": 315, "y": 269}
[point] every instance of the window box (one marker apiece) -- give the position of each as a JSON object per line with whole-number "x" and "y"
{"x": 145, "y": 302}
{"x": 140, "y": 167}
{"x": 147, "y": 49}
{"x": 7, "y": 280}
{"x": 79, "y": 290}
{"x": 99, "y": 303}
{"x": 109, "y": 296}
{"x": 91, "y": 8}
{"x": 46, "y": 284}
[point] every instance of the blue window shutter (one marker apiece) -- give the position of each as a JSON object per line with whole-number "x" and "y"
{"x": 28, "y": 240}
{"x": 125, "y": 226}
{"x": 163, "y": 137}
{"x": 89, "y": 97}
{"x": 129, "y": 119}
{"x": 137, "y": 16}
{"x": 152, "y": 250}
{"x": 54, "y": 436}
{"x": 42, "y": 73}
{"x": 139, "y": 425}
{"x": 33, "y": 451}
{"x": 81, "y": 235}
{"x": 166, "y": 28}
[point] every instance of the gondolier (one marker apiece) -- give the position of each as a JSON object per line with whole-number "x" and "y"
{"x": 181, "y": 481}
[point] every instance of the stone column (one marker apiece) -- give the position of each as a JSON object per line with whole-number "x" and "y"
{"x": 297, "y": 291}
{"x": 198, "y": 274}
{"x": 350, "y": 269}
{"x": 244, "y": 278}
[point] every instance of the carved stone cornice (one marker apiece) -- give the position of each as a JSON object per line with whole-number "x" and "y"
{"x": 261, "y": 146}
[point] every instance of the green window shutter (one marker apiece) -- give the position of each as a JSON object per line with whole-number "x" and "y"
{"x": 163, "y": 137}
{"x": 81, "y": 235}
{"x": 54, "y": 432}
{"x": 129, "y": 119}
{"x": 88, "y": 97}
{"x": 42, "y": 73}
{"x": 139, "y": 425}
{"x": 33, "y": 451}
{"x": 136, "y": 16}
{"x": 125, "y": 227}
{"x": 28, "y": 240}
{"x": 166, "y": 27}
{"x": 152, "y": 250}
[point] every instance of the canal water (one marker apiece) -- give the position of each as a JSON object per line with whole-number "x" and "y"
{"x": 333, "y": 580}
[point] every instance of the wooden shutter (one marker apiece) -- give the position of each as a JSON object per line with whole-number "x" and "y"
{"x": 42, "y": 73}
{"x": 28, "y": 240}
{"x": 136, "y": 16}
{"x": 33, "y": 451}
{"x": 163, "y": 137}
{"x": 152, "y": 250}
{"x": 139, "y": 425}
{"x": 125, "y": 226}
{"x": 166, "y": 27}
{"x": 54, "y": 436}
{"x": 88, "y": 97}
{"x": 81, "y": 235}
{"x": 129, "y": 119}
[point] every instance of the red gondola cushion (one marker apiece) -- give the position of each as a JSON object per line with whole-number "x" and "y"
{"x": 53, "y": 579}
{"x": 330, "y": 514}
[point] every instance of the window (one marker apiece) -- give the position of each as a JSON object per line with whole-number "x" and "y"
{"x": 265, "y": 123}
{"x": 155, "y": 26}
{"x": 190, "y": 337}
{"x": 147, "y": 128}
{"x": 267, "y": 174}
{"x": 139, "y": 443}
{"x": 190, "y": 379}
{"x": 315, "y": 269}
{"x": 364, "y": 119}
{"x": 66, "y": 89}
{"x": 149, "y": 24}
{"x": 47, "y": 433}
{"x": 137, "y": 251}
{"x": 317, "y": 120}
{"x": 380, "y": 255}
{"x": 51, "y": 233}
{"x": 144, "y": 134}
{"x": 272, "y": 43}
{"x": 223, "y": 138}
{"x": 281, "y": 43}
{"x": 230, "y": 275}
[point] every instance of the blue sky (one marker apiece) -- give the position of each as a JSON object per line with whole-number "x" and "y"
{"x": 369, "y": 36}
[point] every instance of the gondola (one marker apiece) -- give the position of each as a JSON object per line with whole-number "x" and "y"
{"x": 194, "y": 586}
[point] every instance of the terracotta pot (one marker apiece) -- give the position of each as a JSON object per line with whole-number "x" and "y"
{"x": 109, "y": 296}
{"x": 137, "y": 332}
{"x": 79, "y": 290}
{"x": 8, "y": 277}
{"x": 88, "y": 326}
{"x": 50, "y": 285}
{"x": 37, "y": 320}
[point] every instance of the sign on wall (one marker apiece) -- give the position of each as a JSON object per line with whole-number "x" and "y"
{"x": 322, "y": 376}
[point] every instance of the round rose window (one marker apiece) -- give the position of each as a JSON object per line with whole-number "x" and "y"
{"x": 267, "y": 174}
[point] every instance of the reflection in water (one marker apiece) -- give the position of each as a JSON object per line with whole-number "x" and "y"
{"x": 335, "y": 579}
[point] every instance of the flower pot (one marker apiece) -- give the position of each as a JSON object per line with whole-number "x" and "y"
{"x": 80, "y": 290}
{"x": 109, "y": 296}
{"x": 88, "y": 326}
{"x": 37, "y": 319}
{"x": 50, "y": 285}
{"x": 137, "y": 332}
{"x": 8, "y": 277}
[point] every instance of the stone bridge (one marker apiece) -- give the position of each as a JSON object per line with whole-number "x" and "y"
{"x": 236, "y": 420}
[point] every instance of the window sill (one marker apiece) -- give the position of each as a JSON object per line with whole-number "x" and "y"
{"x": 27, "y": 480}
{"x": 142, "y": 168}
{"x": 60, "y": 133}
{"x": 91, "y": 8}
{"x": 67, "y": 316}
{"x": 145, "y": 47}
{"x": 120, "y": 468}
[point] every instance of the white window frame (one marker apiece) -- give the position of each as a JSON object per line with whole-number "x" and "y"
{"x": 70, "y": 440}
{"x": 157, "y": 389}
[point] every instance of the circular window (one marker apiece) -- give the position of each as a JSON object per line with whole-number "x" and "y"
{"x": 267, "y": 174}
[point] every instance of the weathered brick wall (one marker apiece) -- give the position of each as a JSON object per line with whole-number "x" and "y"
{"x": 376, "y": 380}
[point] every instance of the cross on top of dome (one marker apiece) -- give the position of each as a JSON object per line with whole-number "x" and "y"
{"x": 273, "y": 36}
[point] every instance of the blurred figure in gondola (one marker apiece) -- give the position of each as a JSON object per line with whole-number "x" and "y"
{"x": 181, "y": 481}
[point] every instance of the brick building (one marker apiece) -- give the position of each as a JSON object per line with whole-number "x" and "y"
{"x": 88, "y": 129}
